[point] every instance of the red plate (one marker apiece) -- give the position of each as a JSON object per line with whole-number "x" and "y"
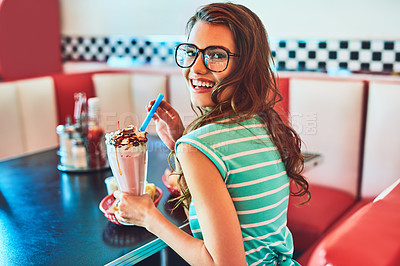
{"x": 106, "y": 203}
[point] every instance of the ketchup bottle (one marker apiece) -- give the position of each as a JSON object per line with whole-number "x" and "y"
{"x": 95, "y": 136}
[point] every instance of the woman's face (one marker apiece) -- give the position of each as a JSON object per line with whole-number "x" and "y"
{"x": 199, "y": 79}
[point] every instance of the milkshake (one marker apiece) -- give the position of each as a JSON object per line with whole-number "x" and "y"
{"x": 127, "y": 156}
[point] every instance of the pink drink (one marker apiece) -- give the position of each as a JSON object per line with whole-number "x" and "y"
{"x": 127, "y": 156}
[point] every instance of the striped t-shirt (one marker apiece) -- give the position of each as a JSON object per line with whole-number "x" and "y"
{"x": 255, "y": 176}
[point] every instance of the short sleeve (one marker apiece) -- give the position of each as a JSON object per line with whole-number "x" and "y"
{"x": 207, "y": 150}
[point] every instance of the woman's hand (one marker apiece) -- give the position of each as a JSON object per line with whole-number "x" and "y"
{"x": 169, "y": 125}
{"x": 134, "y": 209}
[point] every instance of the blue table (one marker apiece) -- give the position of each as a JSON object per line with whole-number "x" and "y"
{"x": 48, "y": 217}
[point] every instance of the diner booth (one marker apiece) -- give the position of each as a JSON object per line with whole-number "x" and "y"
{"x": 349, "y": 125}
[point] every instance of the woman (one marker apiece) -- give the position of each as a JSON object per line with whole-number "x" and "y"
{"x": 237, "y": 157}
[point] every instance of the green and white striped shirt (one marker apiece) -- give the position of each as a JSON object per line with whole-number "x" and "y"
{"x": 255, "y": 176}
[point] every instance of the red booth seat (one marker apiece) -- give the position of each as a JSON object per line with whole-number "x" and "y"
{"x": 309, "y": 221}
{"x": 371, "y": 236}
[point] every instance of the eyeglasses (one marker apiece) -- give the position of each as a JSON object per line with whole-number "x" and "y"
{"x": 215, "y": 58}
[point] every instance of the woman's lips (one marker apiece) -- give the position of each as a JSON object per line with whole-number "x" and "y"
{"x": 202, "y": 85}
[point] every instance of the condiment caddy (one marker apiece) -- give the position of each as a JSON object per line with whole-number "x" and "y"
{"x": 82, "y": 146}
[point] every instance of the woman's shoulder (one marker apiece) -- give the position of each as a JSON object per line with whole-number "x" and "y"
{"x": 228, "y": 126}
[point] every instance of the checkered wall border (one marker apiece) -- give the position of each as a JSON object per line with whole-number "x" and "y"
{"x": 357, "y": 56}
{"x": 141, "y": 50}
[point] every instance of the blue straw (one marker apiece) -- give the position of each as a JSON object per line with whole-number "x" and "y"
{"x": 151, "y": 113}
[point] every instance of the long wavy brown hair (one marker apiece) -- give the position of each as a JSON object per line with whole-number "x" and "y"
{"x": 254, "y": 90}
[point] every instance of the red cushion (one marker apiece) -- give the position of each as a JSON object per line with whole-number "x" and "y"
{"x": 371, "y": 236}
{"x": 305, "y": 257}
{"x": 309, "y": 221}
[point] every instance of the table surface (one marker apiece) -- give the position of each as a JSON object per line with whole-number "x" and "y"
{"x": 48, "y": 217}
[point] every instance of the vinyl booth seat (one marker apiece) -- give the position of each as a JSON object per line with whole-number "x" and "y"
{"x": 345, "y": 120}
{"x": 309, "y": 221}
{"x": 371, "y": 236}
{"x": 32, "y": 108}
{"x": 28, "y": 117}
{"x": 328, "y": 115}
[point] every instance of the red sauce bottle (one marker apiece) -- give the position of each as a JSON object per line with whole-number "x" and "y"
{"x": 95, "y": 137}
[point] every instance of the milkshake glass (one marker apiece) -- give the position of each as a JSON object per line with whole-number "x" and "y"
{"x": 127, "y": 156}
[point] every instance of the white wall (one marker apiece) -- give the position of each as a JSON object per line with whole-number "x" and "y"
{"x": 323, "y": 19}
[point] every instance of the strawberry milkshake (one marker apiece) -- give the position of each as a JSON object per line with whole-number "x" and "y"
{"x": 127, "y": 156}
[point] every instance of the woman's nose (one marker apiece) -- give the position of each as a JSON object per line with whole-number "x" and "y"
{"x": 198, "y": 66}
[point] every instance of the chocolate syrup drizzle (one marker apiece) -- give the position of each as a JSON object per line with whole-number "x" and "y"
{"x": 129, "y": 134}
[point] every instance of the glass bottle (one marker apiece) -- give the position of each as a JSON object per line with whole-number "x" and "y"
{"x": 79, "y": 154}
{"x": 80, "y": 113}
{"x": 66, "y": 133}
{"x": 95, "y": 136}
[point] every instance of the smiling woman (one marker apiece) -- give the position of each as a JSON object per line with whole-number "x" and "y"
{"x": 236, "y": 160}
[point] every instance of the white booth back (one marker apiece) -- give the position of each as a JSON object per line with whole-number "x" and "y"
{"x": 328, "y": 116}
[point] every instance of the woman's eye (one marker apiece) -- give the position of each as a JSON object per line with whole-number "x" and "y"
{"x": 190, "y": 53}
{"x": 217, "y": 55}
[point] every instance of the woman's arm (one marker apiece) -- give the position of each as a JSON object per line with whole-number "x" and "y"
{"x": 216, "y": 213}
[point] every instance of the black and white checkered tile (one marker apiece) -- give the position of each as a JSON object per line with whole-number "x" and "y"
{"x": 358, "y": 56}
{"x": 141, "y": 50}
{"x": 353, "y": 55}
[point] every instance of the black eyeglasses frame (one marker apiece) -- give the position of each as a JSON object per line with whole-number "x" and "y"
{"x": 202, "y": 55}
